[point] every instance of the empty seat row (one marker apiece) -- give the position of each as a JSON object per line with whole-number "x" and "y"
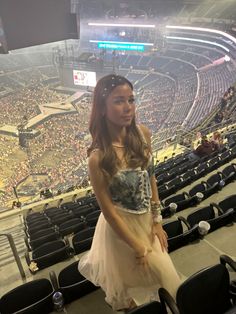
{"x": 227, "y": 175}
{"x": 36, "y": 297}
{"x": 210, "y": 290}
{"x": 48, "y": 254}
{"x": 182, "y": 231}
{"x": 201, "y": 167}
{"x": 51, "y": 233}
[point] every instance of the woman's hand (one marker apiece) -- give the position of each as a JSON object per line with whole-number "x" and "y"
{"x": 141, "y": 256}
{"x": 158, "y": 231}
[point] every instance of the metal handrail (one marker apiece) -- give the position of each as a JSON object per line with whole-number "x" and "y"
{"x": 15, "y": 254}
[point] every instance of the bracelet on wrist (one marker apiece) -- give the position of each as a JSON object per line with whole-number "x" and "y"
{"x": 155, "y": 208}
{"x": 155, "y": 205}
{"x": 157, "y": 219}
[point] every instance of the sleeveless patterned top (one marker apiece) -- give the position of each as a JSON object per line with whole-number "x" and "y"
{"x": 130, "y": 189}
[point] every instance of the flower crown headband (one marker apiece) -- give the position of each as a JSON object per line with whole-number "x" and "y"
{"x": 115, "y": 81}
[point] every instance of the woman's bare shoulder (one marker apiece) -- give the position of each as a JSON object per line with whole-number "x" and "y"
{"x": 94, "y": 157}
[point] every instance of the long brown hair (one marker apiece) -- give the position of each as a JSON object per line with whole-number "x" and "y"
{"x": 135, "y": 147}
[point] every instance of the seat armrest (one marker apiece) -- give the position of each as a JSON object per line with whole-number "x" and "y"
{"x": 54, "y": 280}
{"x": 186, "y": 194}
{"x": 225, "y": 259}
{"x": 166, "y": 299}
{"x": 182, "y": 219}
{"x": 220, "y": 211}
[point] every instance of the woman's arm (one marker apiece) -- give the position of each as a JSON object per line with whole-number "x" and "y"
{"x": 111, "y": 215}
{"x": 147, "y": 135}
{"x": 157, "y": 229}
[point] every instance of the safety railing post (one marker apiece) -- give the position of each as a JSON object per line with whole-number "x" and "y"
{"x": 15, "y": 253}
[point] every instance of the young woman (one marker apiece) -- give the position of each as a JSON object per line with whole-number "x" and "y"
{"x": 128, "y": 258}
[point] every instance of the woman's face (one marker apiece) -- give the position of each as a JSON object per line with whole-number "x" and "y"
{"x": 120, "y": 106}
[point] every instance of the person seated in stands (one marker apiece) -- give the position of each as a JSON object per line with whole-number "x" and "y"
{"x": 231, "y": 91}
{"x": 217, "y": 139}
{"x": 16, "y": 204}
{"x": 231, "y": 138}
{"x": 46, "y": 193}
{"x": 218, "y": 117}
{"x": 226, "y": 114}
{"x": 187, "y": 142}
{"x": 204, "y": 149}
{"x": 224, "y": 101}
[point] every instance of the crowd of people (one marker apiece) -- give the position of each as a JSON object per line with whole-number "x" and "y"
{"x": 61, "y": 138}
{"x": 25, "y": 103}
{"x": 148, "y": 111}
{"x": 226, "y": 106}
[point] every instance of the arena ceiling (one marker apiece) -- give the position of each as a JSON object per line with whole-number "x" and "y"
{"x": 221, "y": 9}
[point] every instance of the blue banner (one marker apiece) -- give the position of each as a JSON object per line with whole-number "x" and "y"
{"x": 121, "y": 46}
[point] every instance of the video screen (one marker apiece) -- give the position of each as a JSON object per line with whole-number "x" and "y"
{"x": 84, "y": 78}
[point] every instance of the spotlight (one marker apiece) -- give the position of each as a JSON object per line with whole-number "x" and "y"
{"x": 122, "y": 33}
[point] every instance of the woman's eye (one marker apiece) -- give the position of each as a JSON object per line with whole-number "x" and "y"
{"x": 118, "y": 101}
{"x": 132, "y": 100}
{"x": 121, "y": 101}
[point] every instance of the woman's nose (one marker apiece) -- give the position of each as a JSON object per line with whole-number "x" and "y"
{"x": 127, "y": 105}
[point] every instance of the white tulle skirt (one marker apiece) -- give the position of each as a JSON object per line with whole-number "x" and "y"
{"x": 111, "y": 264}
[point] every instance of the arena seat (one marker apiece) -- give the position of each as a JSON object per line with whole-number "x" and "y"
{"x": 175, "y": 184}
{"x": 202, "y": 188}
{"x": 52, "y": 212}
{"x": 207, "y": 213}
{"x": 42, "y": 233}
{"x": 82, "y": 240}
{"x": 214, "y": 163}
{"x": 32, "y": 216}
{"x": 34, "y": 297}
{"x": 49, "y": 254}
{"x": 177, "y": 237}
{"x": 215, "y": 181}
{"x": 34, "y": 244}
{"x": 207, "y": 291}
{"x": 62, "y": 218}
{"x": 37, "y": 227}
{"x": 82, "y": 213}
{"x": 92, "y": 218}
{"x": 188, "y": 177}
{"x": 36, "y": 220}
{"x": 48, "y": 212}
{"x": 225, "y": 259}
{"x": 182, "y": 200}
{"x": 71, "y": 283}
{"x": 164, "y": 191}
{"x": 201, "y": 170}
{"x": 228, "y": 203}
{"x": 225, "y": 157}
{"x": 229, "y": 173}
{"x": 233, "y": 151}
{"x": 71, "y": 226}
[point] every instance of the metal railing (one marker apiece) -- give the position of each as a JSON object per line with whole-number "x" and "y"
{"x": 15, "y": 254}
